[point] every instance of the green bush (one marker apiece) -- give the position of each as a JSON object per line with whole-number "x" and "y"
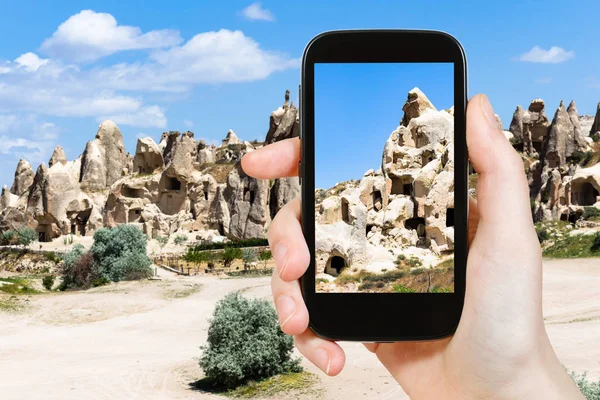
{"x": 591, "y": 390}
{"x": 245, "y": 343}
{"x": 180, "y": 239}
{"x": 8, "y": 236}
{"x": 162, "y": 241}
{"x": 590, "y": 213}
{"x": 576, "y": 157}
{"x": 418, "y": 271}
{"x": 26, "y": 235}
{"x": 52, "y": 257}
{"x": 48, "y": 281}
{"x": 120, "y": 254}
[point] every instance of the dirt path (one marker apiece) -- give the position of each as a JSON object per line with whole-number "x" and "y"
{"x": 140, "y": 341}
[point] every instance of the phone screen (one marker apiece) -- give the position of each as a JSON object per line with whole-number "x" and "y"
{"x": 384, "y": 177}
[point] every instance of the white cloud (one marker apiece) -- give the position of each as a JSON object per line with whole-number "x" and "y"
{"x": 31, "y": 84}
{"x": 255, "y": 12}
{"x": 145, "y": 117}
{"x": 187, "y": 123}
{"x": 554, "y": 55}
{"x": 89, "y": 35}
{"x": 30, "y": 61}
{"x": 28, "y": 137}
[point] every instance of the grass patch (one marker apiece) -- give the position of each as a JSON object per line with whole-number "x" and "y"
{"x": 297, "y": 382}
{"x": 576, "y": 246}
{"x": 438, "y": 289}
{"x": 11, "y": 305}
{"x": 182, "y": 293}
{"x": 321, "y": 280}
{"x": 447, "y": 263}
{"x": 16, "y": 286}
{"x": 398, "y": 288}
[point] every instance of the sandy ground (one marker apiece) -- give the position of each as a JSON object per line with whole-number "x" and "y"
{"x": 140, "y": 340}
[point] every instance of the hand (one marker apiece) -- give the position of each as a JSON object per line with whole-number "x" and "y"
{"x": 500, "y": 349}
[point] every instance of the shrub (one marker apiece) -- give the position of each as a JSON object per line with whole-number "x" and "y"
{"x": 78, "y": 269}
{"x": 120, "y": 254}
{"x": 180, "y": 239}
{"x": 52, "y": 257}
{"x": 245, "y": 343}
{"x": 591, "y": 390}
{"x": 27, "y": 236}
{"x": 542, "y": 234}
{"x": 389, "y": 276}
{"x": 576, "y": 157}
{"x": 8, "y": 236}
{"x": 229, "y": 255}
{"x": 590, "y": 212}
{"x": 418, "y": 271}
{"x": 48, "y": 281}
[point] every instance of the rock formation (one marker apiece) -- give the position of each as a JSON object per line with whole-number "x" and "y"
{"x": 179, "y": 184}
{"x": 562, "y": 181}
{"x": 23, "y": 178}
{"x": 406, "y": 204}
{"x": 596, "y": 124}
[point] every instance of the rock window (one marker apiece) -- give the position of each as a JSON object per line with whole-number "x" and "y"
{"x": 345, "y": 211}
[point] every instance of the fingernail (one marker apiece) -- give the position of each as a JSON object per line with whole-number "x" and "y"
{"x": 322, "y": 360}
{"x": 488, "y": 111}
{"x": 280, "y": 255}
{"x": 286, "y": 307}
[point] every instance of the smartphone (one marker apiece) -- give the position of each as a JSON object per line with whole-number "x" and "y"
{"x": 384, "y": 184}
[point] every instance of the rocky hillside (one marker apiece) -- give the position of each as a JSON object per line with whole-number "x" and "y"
{"x": 177, "y": 184}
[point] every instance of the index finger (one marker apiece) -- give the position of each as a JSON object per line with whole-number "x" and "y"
{"x": 277, "y": 160}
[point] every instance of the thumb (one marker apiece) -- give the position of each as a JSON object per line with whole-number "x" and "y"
{"x": 504, "y": 264}
{"x": 502, "y": 188}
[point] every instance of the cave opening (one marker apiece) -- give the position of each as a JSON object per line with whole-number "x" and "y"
{"x": 401, "y": 186}
{"x": 377, "y": 199}
{"x": 335, "y": 265}
{"x": 205, "y": 190}
{"x": 584, "y": 194}
{"x": 173, "y": 184}
{"x": 449, "y": 217}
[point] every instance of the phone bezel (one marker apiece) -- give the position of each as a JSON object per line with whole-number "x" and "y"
{"x": 380, "y": 317}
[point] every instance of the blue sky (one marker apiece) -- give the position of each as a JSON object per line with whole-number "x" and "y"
{"x": 211, "y": 66}
{"x": 357, "y": 106}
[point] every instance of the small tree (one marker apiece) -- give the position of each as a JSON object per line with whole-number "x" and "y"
{"x": 265, "y": 257}
{"x": 229, "y": 255}
{"x": 180, "y": 239}
{"x": 246, "y": 343}
{"x": 48, "y": 282}
{"x": 249, "y": 257}
{"x": 27, "y": 236}
{"x": 162, "y": 242}
{"x": 596, "y": 243}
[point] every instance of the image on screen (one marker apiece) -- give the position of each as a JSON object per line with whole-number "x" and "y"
{"x": 384, "y": 177}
